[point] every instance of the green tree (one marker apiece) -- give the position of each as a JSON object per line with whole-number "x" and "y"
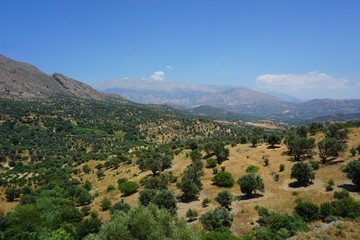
{"x": 217, "y": 218}
{"x": 146, "y": 196}
{"x": 225, "y": 198}
{"x": 250, "y": 183}
{"x": 165, "y": 199}
{"x": 194, "y": 171}
{"x": 221, "y": 152}
{"x": 190, "y": 189}
{"x": 145, "y": 223}
{"x": 195, "y": 155}
{"x": 299, "y": 146}
{"x": 302, "y": 172}
{"x": 155, "y": 160}
{"x": 82, "y": 196}
{"x": 352, "y": 171}
{"x": 255, "y": 135}
{"x": 12, "y": 193}
{"x": 335, "y": 130}
{"x": 273, "y": 139}
{"x": 330, "y": 147}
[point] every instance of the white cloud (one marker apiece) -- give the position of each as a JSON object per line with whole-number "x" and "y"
{"x": 294, "y": 82}
{"x": 169, "y": 67}
{"x": 158, "y": 76}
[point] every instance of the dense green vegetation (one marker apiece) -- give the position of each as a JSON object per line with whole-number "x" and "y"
{"x": 45, "y": 144}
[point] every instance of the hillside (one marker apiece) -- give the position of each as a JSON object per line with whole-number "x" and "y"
{"x": 75, "y": 151}
{"x": 20, "y": 80}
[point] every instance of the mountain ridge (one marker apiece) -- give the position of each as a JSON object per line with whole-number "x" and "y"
{"x": 19, "y": 80}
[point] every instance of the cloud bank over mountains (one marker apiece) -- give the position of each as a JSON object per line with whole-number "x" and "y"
{"x": 292, "y": 83}
{"x": 303, "y": 86}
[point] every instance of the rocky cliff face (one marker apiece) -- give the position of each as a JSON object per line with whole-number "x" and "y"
{"x": 20, "y": 80}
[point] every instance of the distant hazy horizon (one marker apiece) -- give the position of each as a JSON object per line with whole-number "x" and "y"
{"x": 306, "y": 49}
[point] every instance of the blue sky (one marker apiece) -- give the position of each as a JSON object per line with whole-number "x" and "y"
{"x": 307, "y": 48}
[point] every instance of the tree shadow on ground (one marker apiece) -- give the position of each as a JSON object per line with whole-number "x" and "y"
{"x": 349, "y": 187}
{"x": 299, "y": 184}
{"x": 273, "y": 147}
{"x": 247, "y": 196}
{"x": 332, "y": 162}
{"x": 188, "y": 200}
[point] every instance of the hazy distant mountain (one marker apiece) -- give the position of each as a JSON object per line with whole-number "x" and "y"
{"x": 330, "y": 106}
{"x": 285, "y": 97}
{"x": 236, "y": 100}
{"x": 210, "y": 100}
{"x": 159, "y": 92}
{"x": 20, "y": 80}
{"x": 246, "y": 101}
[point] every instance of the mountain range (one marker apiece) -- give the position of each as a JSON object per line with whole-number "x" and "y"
{"x": 23, "y": 81}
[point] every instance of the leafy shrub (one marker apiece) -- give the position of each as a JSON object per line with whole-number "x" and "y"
{"x": 128, "y": 187}
{"x": 281, "y": 167}
{"x": 276, "y": 223}
{"x": 120, "y": 206}
{"x": 205, "y": 202}
{"x": 341, "y": 194}
{"x": 353, "y": 151}
{"x": 223, "y": 179}
{"x": 308, "y": 211}
{"x": 252, "y": 169}
{"x": 330, "y": 185}
{"x": 345, "y": 207}
{"x": 86, "y": 169}
{"x": 191, "y": 215}
{"x": 105, "y": 204}
{"x": 85, "y": 210}
{"x": 220, "y": 234}
{"x": 315, "y": 164}
{"x": 110, "y": 188}
{"x": 211, "y": 162}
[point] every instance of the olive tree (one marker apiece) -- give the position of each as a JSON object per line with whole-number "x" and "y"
{"x": 303, "y": 172}
{"x": 250, "y": 183}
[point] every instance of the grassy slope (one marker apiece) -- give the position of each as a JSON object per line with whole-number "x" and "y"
{"x": 278, "y": 196}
